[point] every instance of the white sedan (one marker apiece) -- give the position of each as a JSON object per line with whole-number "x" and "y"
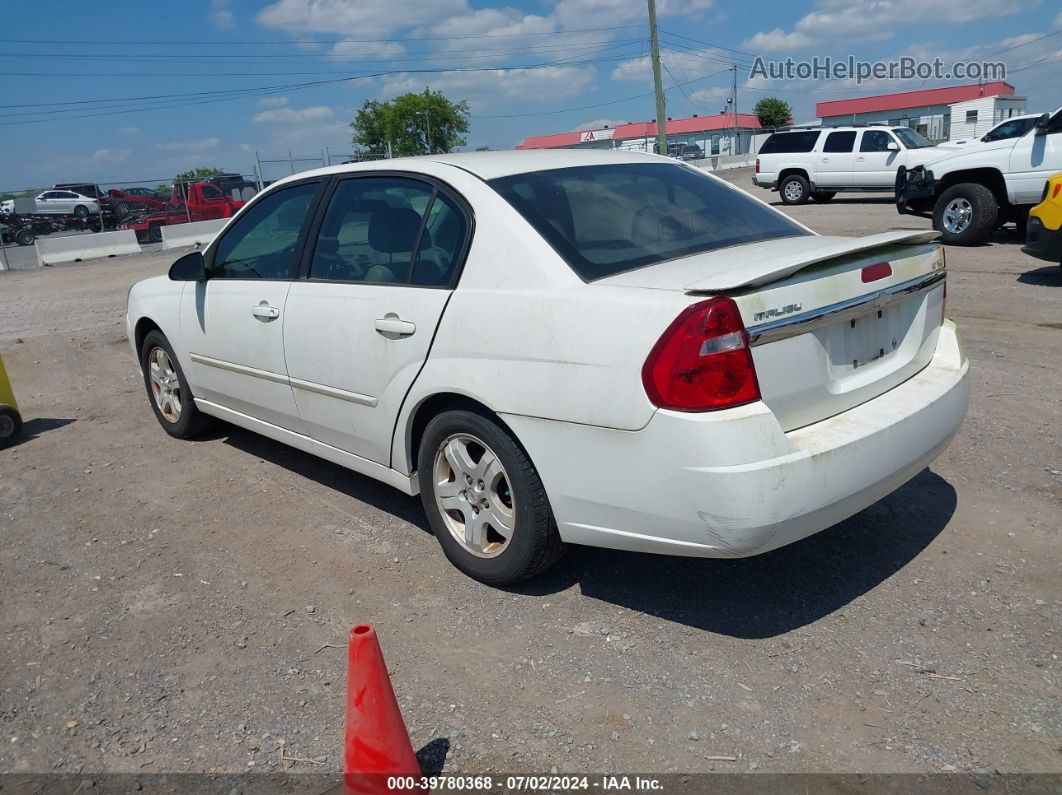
{"x": 58, "y": 202}
{"x": 602, "y": 348}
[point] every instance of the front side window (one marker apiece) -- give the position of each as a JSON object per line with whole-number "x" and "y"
{"x": 840, "y": 142}
{"x": 1015, "y": 128}
{"x": 603, "y": 220}
{"x": 875, "y": 141}
{"x": 262, "y": 244}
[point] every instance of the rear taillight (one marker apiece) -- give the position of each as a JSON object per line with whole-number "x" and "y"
{"x": 703, "y": 361}
{"x": 757, "y": 165}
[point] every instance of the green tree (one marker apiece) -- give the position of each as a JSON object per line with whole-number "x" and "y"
{"x": 413, "y": 124}
{"x": 198, "y": 173}
{"x": 773, "y": 112}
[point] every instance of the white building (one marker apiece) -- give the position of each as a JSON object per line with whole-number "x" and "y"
{"x": 974, "y": 117}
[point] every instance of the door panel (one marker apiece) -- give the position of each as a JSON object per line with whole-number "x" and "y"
{"x": 232, "y": 324}
{"x": 834, "y": 165}
{"x": 236, "y": 349}
{"x": 875, "y": 166}
{"x": 1033, "y": 159}
{"x": 357, "y": 332}
{"x": 349, "y": 377}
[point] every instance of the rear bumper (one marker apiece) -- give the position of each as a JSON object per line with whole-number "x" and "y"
{"x": 1041, "y": 242}
{"x": 765, "y": 181}
{"x": 732, "y": 483}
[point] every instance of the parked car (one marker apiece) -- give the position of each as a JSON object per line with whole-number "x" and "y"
{"x": 816, "y": 164}
{"x": 1044, "y": 232}
{"x": 1014, "y": 127}
{"x": 972, "y": 190}
{"x": 685, "y": 151}
{"x": 58, "y": 202}
{"x": 602, "y": 348}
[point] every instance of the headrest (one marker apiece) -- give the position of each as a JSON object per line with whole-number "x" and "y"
{"x": 394, "y": 229}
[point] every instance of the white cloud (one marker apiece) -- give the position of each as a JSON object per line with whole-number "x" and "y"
{"x": 273, "y": 102}
{"x": 598, "y": 124}
{"x": 495, "y": 22}
{"x": 361, "y": 19}
{"x": 354, "y": 50}
{"x": 709, "y": 95}
{"x": 295, "y": 115}
{"x": 1058, "y": 21}
{"x": 590, "y": 13}
{"x": 129, "y": 130}
{"x": 220, "y": 14}
{"x": 483, "y": 88}
{"x": 683, "y": 66}
{"x": 188, "y": 146}
{"x": 110, "y": 155}
{"x": 89, "y": 161}
{"x": 876, "y": 20}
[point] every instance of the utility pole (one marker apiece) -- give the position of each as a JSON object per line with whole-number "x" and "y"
{"x": 733, "y": 109}
{"x": 661, "y": 110}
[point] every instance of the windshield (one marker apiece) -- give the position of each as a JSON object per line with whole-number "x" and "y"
{"x": 911, "y": 139}
{"x": 603, "y": 220}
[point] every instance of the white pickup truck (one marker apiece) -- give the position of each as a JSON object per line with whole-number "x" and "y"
{"x": 972, "y": 190}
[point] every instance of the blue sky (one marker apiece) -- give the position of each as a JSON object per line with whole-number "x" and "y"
{"x": 124, "y": 91}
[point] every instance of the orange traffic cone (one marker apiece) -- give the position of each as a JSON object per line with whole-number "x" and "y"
{"x": 378, "y": 756}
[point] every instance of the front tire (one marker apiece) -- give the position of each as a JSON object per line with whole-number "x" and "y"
{"x": 966, "y": 214}
{"x": 794, "y": 190}
{"x": 484, "y": 499}
{"x": 167, "y": 389}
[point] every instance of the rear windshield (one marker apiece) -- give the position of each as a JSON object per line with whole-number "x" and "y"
{"x": 789, "y": 142}
{"x": 603, "y": 220}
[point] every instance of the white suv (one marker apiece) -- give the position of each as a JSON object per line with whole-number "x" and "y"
{"x": 816, "y": 163}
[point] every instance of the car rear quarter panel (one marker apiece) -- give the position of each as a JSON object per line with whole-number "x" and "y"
{"x": 523, "y": 335}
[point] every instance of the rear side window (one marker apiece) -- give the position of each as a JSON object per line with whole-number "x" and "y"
{"x": 839, "y": 142}
{"x": 790, "y": 142}
{"x": 603, "y": 220}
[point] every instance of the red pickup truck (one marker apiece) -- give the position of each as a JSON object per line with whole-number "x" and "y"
{"x": 190, "y": 201}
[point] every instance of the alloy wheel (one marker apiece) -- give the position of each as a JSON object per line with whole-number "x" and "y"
{"x": 473, "y": 495}
{"x": 957, "y": 215}
{"x": 165, "y": 385}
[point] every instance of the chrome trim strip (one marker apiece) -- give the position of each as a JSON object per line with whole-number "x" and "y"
{"x": 334, "y": 392}
{"x": 296, "y": 383}
{"x": 239, "y": 368}
{"x": 842, "y": 310}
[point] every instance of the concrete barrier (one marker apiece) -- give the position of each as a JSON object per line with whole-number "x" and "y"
{"x": 724, "y": 162}
{"x": 74, "y": 248}
{"x": 197, "y": 233}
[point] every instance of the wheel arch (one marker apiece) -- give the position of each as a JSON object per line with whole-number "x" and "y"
{"x": 432, "y": 406}
{"x": 790, "y": 171}
{"x": 991, "y": 178}
{"x": 143, "y": 327}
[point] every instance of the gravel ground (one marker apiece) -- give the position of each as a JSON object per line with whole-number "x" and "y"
{"x": 181, "y": 606}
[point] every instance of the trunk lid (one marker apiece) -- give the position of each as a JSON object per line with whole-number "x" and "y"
{"x": 833, "y": 322}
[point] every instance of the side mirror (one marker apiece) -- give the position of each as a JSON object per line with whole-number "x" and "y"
{"x": 1042, "y": 123}
{"x": 892, "y": 146}
{"x": 189, "y": 268}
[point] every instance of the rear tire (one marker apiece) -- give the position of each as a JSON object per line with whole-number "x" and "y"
{"x": 10, "y": 426}
{"x": 25, "y": 237}
{"x": 823, "y": 196}
{"x": 469, "y": 465}
{"x": 966, "y": 214}
{"x": 167, "y": 388}
{"x": 81, "y": 212}
{"x": 794, "y": 190}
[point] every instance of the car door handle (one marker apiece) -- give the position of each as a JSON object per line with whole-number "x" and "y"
{"x": 393, "y": 324}
{"x": 264, "y": 311}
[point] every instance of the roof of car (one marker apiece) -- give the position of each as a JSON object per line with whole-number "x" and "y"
{"x": 489, "y": 165}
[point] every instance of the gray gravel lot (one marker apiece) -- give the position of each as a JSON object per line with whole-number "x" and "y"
{"x": 168, "y": 604}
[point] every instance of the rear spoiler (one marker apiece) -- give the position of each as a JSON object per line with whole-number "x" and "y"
{"x": 756, "y": 274}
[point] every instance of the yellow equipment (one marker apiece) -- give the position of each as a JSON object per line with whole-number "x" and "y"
{"x": 10, "y": 419}
{"x": 1043, "y": 235}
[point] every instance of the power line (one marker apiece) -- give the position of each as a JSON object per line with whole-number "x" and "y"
{"x": 186, "y": 42}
